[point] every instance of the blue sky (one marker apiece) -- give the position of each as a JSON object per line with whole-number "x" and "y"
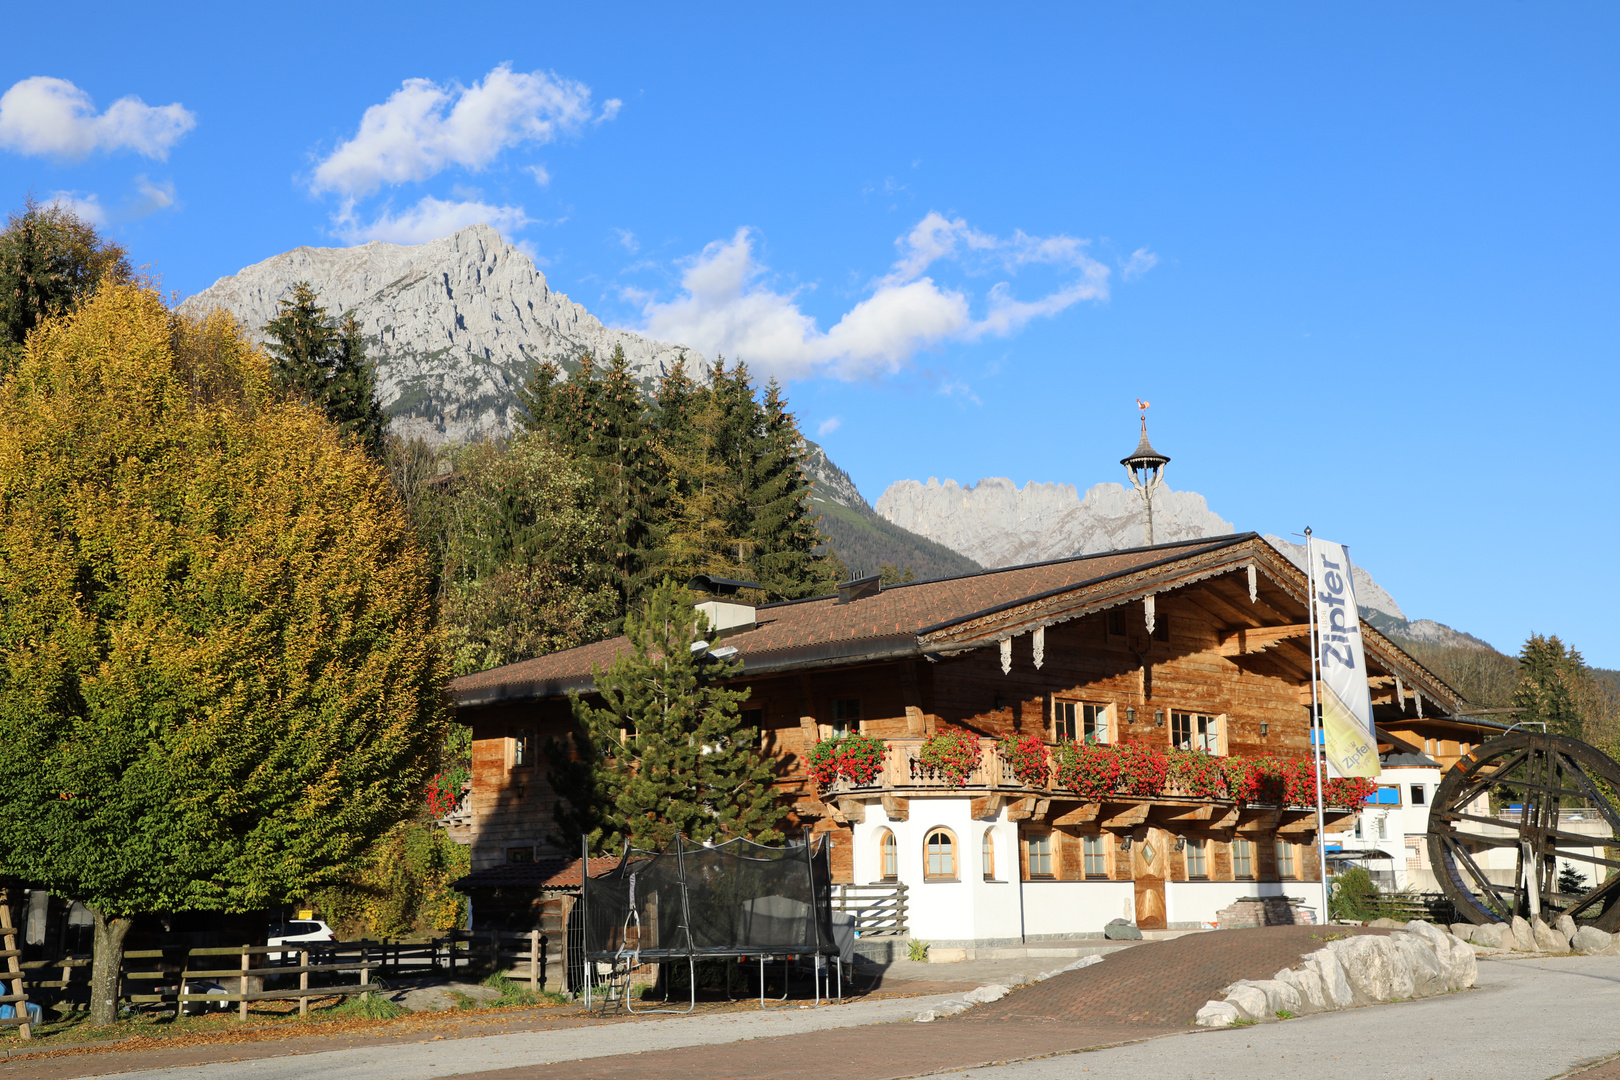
{"x": 1360, "y": 258}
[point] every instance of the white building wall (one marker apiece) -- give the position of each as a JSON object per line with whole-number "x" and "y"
{"x": 1076, "y": 907}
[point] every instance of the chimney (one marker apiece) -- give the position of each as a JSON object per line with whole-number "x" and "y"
{"x": 726, "y": 616}
{"x": 860, "y": 588}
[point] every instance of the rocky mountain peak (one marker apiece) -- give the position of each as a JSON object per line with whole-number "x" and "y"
{"x": 997, "y": 523}
{"x": 454, "y": 325}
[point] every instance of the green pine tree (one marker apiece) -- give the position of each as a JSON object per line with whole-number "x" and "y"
{"x": 667, "y": 751}
{"x": 791, "y": 559}
{"x": 326, "y": 365}
{"x": 50, "y": 260}
{"x": 1552, "y": 681}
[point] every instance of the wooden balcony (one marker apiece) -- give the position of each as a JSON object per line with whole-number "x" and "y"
{"x": 992, "y": 784}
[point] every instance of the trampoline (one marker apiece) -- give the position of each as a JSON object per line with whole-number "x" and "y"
{"x": 734, "y": 900}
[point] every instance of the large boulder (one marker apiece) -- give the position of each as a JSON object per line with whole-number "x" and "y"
{"x": 1566, "y": 926}
{"x": 1589, "y": 939}
{"x": 1250, "y": 1001}
{"x": 984, "y": 994}
{"x": 1524, "y": 938}
{"x": 1464, "y": 930}
{"x": 1121, "y": 930}
{"x": 1417, "y": 955}
{"x": 1336, "y": 990}
{"x": 1373, "y": 968}
{"x": 1493, "y": 936}
{"x": 1307, "y": 983}
{"x": 1218, "y": 1014}
{"x": 1548, "y": 939}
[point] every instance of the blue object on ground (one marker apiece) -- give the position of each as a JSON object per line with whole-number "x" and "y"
{"x": 36, "y": 1015}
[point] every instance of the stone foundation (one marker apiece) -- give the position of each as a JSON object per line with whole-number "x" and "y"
{"x": 1250, "y": 911}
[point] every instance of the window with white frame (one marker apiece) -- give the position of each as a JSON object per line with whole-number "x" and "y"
{"x": 1195, "y": 731}
{"x": 1094, "y": 856}
{"x": 939, "y": 856}
{"x": 888, "y": 856}
{"x": 1079, "y": 721}
{"x": 987, "y": 855}
{"x": 1285, "y": 859}
{"x": 1040, "y": 855}
{"x": 1242, "y": 859}
{"x": 1197, "y": 858}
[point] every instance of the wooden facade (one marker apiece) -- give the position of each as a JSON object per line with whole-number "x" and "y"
{"x": 1211, "y": 629}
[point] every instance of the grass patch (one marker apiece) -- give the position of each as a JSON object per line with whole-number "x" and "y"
{"x": 512, "y": 993}
{"x": 1244, "y": 1023}
{"x": 1284, "y": 1014}
{"x": 368, "y": 1007}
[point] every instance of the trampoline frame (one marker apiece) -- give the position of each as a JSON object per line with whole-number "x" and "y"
{"x": 633, "y": 958}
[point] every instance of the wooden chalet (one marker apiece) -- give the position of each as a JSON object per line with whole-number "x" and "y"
{"x": 1201, "y": 644}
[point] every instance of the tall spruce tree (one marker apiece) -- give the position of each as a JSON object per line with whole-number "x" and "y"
{"x": 791, "y": 560}
{"x": 667, "y": 752}
{"x": 326, "y": 365}
{"x": 1552, "y": 683}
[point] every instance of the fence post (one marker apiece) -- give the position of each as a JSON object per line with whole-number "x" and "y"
{"x": 534, "y": 960}
{"x": 241, "y": 1011}
{"x": 365, "y": 967}
{"x": 494, "y": 951}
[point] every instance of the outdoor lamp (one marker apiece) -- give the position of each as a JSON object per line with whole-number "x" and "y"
{"x": 1158, "y": 718}
{"x": 1181, "y": 843}
{"x": 1264, "y": 727}
{"x": 1125, "y": 843}
{"x": 1130, "y": 714}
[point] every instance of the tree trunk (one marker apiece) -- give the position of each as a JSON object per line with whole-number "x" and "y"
{"x": 106, "y": 963}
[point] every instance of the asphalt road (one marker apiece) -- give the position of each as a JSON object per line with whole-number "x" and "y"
{"x": 1528, "y": 1019}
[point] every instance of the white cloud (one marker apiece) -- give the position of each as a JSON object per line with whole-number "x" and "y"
{"x": 424, "y": 128}
{"x": 541, "y": 176}
{"x": 725, "y": 308}
{"x": 1141, "y": 261}
{"x": 429, "y": 219}
{"x": 828, "y": 426}
{"x": 610, "y": 110}
{"x": 88, "y": 207}
{"x": 50, "y": 117}
{"x": 152, "y": 197}
{"x": 627, "y": 240}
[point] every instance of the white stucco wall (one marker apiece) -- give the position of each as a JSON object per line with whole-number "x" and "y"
{"x": 1076, "y": 907}
{"x": 1198, "y": 901}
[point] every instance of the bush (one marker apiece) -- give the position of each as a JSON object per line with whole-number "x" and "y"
{"x": 1026, "y": 756}
{"x": 1355, "y": 896}
{"x": 856, "y": 758}
{"x": 952, "y": 754}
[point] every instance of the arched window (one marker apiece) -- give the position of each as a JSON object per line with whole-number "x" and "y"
{"x": 939, "y": 856}
{"x": 888, "y": 856}
{"x": 988, "y": 855}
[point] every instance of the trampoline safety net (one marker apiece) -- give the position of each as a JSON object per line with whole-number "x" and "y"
{"x": 738, "y": 898}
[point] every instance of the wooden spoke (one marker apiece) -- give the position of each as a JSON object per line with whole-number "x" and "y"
{"x": 1540, "y": 774}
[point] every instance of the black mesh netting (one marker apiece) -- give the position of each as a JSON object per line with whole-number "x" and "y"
{"x": 733, "y": 899}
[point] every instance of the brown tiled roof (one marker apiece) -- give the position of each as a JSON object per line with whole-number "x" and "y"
{"x": 548, "y": 873}
{"x": 820, "y": 630}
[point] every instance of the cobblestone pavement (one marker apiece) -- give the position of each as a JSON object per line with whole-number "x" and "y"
{"x": 1163, "y": 983}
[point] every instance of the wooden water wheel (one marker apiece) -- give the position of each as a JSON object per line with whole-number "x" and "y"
{"x": 1514, "y": 815}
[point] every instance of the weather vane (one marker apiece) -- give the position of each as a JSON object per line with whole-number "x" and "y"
{"x": 1144, "y": 406}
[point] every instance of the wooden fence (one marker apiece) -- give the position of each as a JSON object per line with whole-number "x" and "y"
{"x": 877, "y": 909}
{"x": 173, "y": 976}
{"x": 533, "y": 955}
{"x": 13, "y": 981}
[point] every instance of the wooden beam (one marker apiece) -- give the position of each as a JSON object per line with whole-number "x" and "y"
{"x": 1022, "y": 810}
{"x": 897, "y": 808}
{"x": 1259, "y": 821}
{"x": 1080, "y": 815}
{"x": 1130, "y": 817}
{"x": 1186, "y": 813}
{"x": 986, "y": 807}
{"x": 1260, "y": 638}
{"x": 853, "y": 809}
{"x": 1228, "y": 589}
{"x": 1226, "y": 820}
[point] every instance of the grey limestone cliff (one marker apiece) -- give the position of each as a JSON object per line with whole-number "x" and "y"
{"x": 453, "y": 325}
{"x": 997, "y": 523}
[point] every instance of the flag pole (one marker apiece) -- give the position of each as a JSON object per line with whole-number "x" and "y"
{"x": 1318, "y": 732}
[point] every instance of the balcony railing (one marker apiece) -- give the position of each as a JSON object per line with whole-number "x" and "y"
{"x": 904, "y": 771}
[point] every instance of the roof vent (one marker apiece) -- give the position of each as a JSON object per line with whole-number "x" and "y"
{"x": 860, "y": 589}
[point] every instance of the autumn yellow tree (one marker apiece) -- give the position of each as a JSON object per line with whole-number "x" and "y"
{"x": 220, "y": 675}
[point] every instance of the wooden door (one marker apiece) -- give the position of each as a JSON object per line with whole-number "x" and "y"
{"x": 1150, "y": 866}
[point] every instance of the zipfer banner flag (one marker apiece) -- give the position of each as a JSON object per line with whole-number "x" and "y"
{"x": 1347, "y": 720}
